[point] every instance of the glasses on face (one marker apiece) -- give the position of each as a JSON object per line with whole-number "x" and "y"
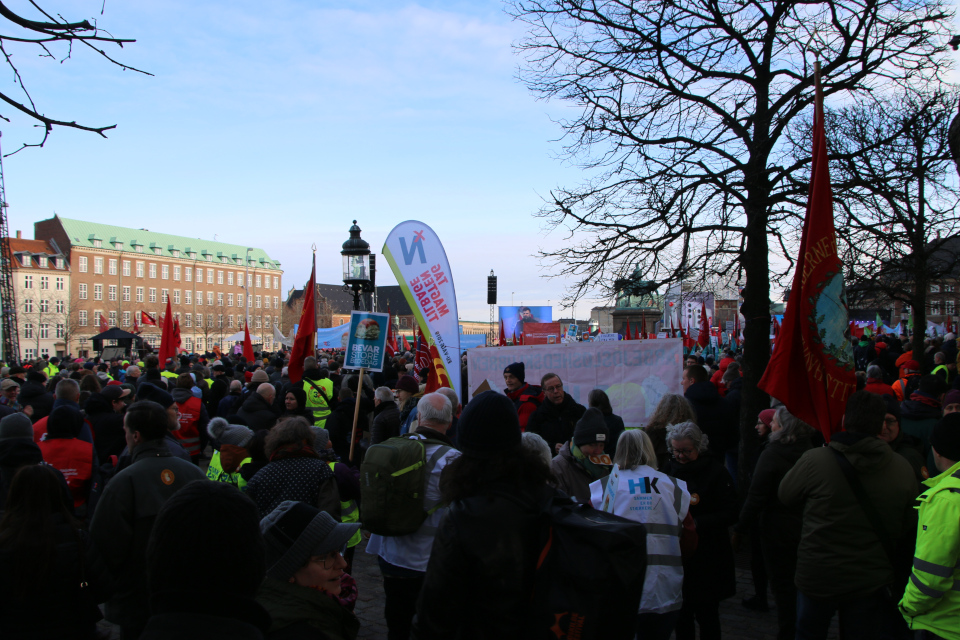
{"x": 556, "y": 387}
{"x": 330, "y": 560}
{"x": 890, "y": 422}
{"x": 686, "y": 453}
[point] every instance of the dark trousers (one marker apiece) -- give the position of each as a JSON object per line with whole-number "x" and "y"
{"x": 706, "y": 613}
{"x": 656, "y": 626}
{"x": 860, "y": 618}
{"x": 131, "y": 632}
{"x": 758, "y": 568}
{"x": 401, "y": 587}
{"x": 781, "y": 562}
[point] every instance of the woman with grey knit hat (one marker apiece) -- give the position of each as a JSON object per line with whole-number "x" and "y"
{"x": 306, "y": 590}
{"x": 230, "y": 452}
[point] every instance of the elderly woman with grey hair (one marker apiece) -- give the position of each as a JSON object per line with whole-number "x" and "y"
{"x": 779, "y": 526}
{"x": 709, "y": 572}
{"x": 672, "y": 409}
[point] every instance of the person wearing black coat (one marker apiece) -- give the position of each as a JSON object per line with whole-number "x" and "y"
{"x": 598, "y": 398}
{"x": 294, "y": 402}
{"x": 386, "y": 416}
{"x": 340, "y": 426}
{"x": 556, "y": 418}
{"x": 33, "y": 393}
{"x": 708, "y": 573}
{"x": 713, "y": 414}
{"x": 230, "y": 403}
{"x": 257, "y": 410}
{"x": 779, "y": 526}
{"x": 109, "y": 438}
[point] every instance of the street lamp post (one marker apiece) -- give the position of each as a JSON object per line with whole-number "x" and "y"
{"x": 356, "y": 265}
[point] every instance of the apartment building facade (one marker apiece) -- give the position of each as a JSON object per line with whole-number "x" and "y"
{"x": 41, "y": 289}
{"x": 117, "y": 272}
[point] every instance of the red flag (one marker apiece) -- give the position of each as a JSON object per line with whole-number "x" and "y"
{"x": 136, "y": 327}
{"x": 811, "y": 370}
{"x": 305, "y": 342}
{"x": 503, "y": 338}
{"x": 636, "y": 332}
{"x": 514, "y": 337}
{"x": 704, "y": 338}
{"x": 248, "y": 345}
{"x": 736, "y": 329}
{"x": 673, "y": 332}
{"x": 422, "y": 357}
{"x": 147, "y": 320}
{"x": 391, "y": 346}
{"x": 176, "y": 334}
{"x": 438, "y": 377}
{"x": 406, "y": 345}
{"x": 167, "y": 347}
{"x": 103, "y": 323}
{"x": 626, "y": 334}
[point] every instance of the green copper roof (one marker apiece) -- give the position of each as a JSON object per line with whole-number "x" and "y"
{"x": 84, "y": 234}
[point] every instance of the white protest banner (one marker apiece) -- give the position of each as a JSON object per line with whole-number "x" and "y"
{"x": 420, "y": 265}
{"x": 607, "y": 337}
{"x": 333, "y": 338}
{"x": 634, "y": 373}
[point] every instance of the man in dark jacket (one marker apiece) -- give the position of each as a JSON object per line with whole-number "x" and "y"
{"x": 713, "y": 414}
{"x": 105, "y": 411}
{"x": 231, "y": 402}
{"x": 555, "y": 419}
{"x": 257, "y": 410}
{"x": 921, "y": 410}
{"x": 386, "y": 416}
{"x": 903, "y": 443}
{"x": 841, "y": 563}
{"x": 218, "y": 389}
{"x": 128, "y": 507}
{"x": 33, "y": 393}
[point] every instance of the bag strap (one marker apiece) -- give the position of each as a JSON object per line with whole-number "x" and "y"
{"x": 320, "y": 389}
{"x": 873, "y": 516}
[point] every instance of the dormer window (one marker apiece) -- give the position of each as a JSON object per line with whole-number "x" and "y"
{"x": 192, "y": 255}
{"x": 240, "y": 262}
{"x": 59, "y": 263}
{"x": 26, "y": 260}
{"x": 42, "y": 260}
{"x": 157, "y": 251}
{"x": 97, "y": 243}
{"x": 176, "y": 253}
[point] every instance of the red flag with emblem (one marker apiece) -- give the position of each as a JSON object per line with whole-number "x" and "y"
{"x": 304, "y": 343}
{"x": 145, "y": 319}
{"x": 103, "y": 323}
{"x": 423, "y": 358}
{"x": 811, "y": 369}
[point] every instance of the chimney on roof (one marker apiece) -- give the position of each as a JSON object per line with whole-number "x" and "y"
{"x": 18, "y": 234}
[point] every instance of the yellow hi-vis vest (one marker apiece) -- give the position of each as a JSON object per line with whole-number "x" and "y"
{"x": 316, "y": 403}
{"x": 216, "y": 473}
{"x": 349, "y": 512}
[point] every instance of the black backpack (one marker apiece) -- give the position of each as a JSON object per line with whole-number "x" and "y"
{"x": 590, "y": 572}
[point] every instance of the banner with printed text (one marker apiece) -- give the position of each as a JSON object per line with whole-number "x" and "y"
{"x": 420, "y": 265}
{"x": 367, "y": 341}
{"x": 635, "y": 374}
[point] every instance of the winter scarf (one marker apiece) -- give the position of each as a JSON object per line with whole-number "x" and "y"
{"x": 597, "y": 466}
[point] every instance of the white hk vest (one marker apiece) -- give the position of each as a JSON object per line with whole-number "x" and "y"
{"x": 660, "y": 502}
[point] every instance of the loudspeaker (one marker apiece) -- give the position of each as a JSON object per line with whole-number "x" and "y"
{"x": 491, "y": 289}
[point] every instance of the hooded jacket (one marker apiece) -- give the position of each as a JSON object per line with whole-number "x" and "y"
{"x": 555, "y": 422}
{"x": 34, "y": 393}
{"x": 840, "y": 555}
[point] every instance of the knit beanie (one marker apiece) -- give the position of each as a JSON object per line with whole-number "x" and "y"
{"x": 488, "y": 426}
{"x": 222, "y": 521}
{"x": 64, "y": 422}
{"x": 259, "y": 376}
{"x": 591, "y": 428}
{"x": 517, "y": 370}
{"x": 16, "y": 425}
{"x": 321, "y": 438}
{"x": 152, "y": 392}
{"x": 408, "y": 384}
{"x": 945, "y": 437}
{"x": 951, "y": 397}
{"x": 226, "y": 433}
{"x": 294, "y": 531}
{"x": 766, "y": 416}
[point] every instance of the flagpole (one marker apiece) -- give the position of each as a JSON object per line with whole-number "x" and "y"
{"x": 316, "y": 325}
{"x": 356, "y": 412}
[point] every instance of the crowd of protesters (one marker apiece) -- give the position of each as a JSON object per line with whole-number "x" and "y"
{"x": 211, "y": 497}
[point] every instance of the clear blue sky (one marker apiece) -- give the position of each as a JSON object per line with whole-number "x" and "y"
{"x": 274, "y": 124}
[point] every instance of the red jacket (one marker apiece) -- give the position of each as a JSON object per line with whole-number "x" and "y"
{"x": 188, "y": 434}
{"x": 527, "y": 398}
{"x": 74, "y": 459}
{"x": 879, "y": 387}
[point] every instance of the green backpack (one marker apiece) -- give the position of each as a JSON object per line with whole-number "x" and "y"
{"x": 393, "y": 480}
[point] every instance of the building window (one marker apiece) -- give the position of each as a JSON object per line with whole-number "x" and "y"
{"x": 28, "y": 282}
{"x": 229, "y": 321}
{"x": 239, "y": 320}
{"x": 112, "y": 293}
{"x": 249, "y": 280}
{"x": 176, "y": 253}
{"x": 82, "y": 318}
{"x": 59, "y": 306}
{"x": 165, "y": 272}
{"x": 210, "y": 321}
{"x": 61, "y": 284}
{"x": 59, "y": 263}
{"x": 229, "y": 299}
{"x": 188, "y": 297}
{"x": 42, "y": 261}
{"x": 950, "y": 309}
{"x": 113, "y": 319}
{"x": 44, "y": 306}
{"x": 199, "y": 298}
{"x": 82, "y": 265}
{"x": 112, "y": 267}
{"x": 258, "y": 302}
{"x": 209, "y": 276}
{"x": 188, "y": 320}
{"x": 240, "y": 300}
{"x": 30, "y": 354}
{"x": 210, "y": 298}
{"x": 199, "y": 344}
{"x": 44, "y": 283}
{"x": 266, "y": 322}
{"x": 164, "y": 295}
{"x": 220, "y": 321}
{"x": 948, "y": 288}
{"x": 257, "y": 322}
{"x": 176, "y": 272}
{"x": 934, "y": 288}
{"x": 152, "y": 295}
{"x": 199, "y": 275}
{"x": 28, "y": 330}
{"x": 140, "y": 269}
{"x": 906, "y": 308}
{"x": 176, "y": 296}
{"x": 82, "y": 291}
{"x": 153, "y": 270}
{"x": 98, "y": 292}
{"x": 276, "y": 302}
{"x": 139, "y": 294}
{"x": 126, "y": 318}
{"x": 188, "y": 343}
{"x": 98, "y": 265}
{"x": 199, "y": 320}
{"x": 138, "y": 248}
{"x": 126, "y": 294}
{"x": 230, "y": 278}
{"x": 126, "y": 268}
{"x": 157, "y": 251}
{"x": 219, "y": 277}
{"x": 187, "y": 274}
{"x": 97, "y": 243}
{"x": 61, "y": 330}
{"x": 259, "y": 282}
{"x": 44, "y": 331}
{"x": 276, "y": 282}
{"x": 935, "y": 308}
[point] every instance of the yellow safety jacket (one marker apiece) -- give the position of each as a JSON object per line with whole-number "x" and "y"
{"x": 946, "y": 372}
{"x": 51, "y": 370}
{"x": 169, "y": 374}
{"x": 216, "y": 473}
{"x": 316, "y": 402}
{"x": 932, "y": 598}
{"x": 349, "y": 512}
